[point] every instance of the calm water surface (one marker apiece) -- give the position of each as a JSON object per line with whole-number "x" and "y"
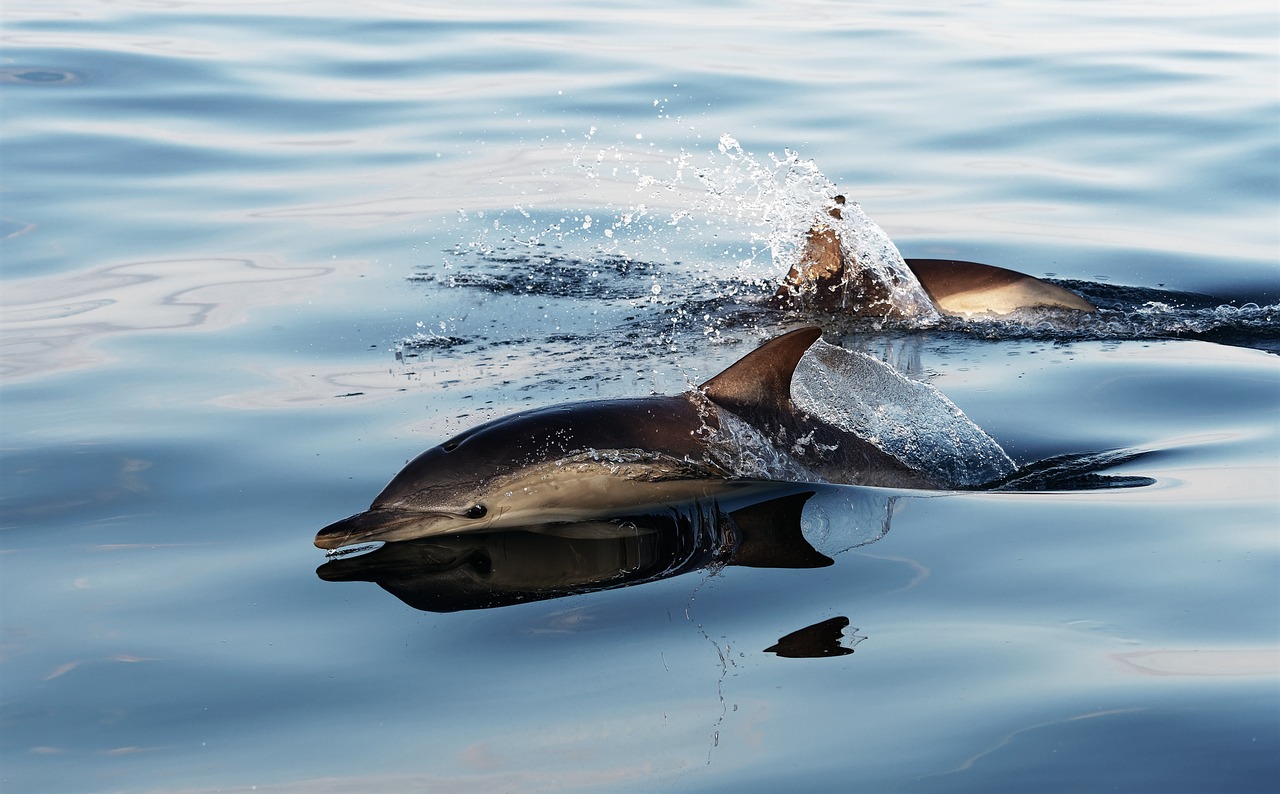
{"x": 258, "y": 255}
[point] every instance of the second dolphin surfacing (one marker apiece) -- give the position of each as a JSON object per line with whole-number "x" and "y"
{"x": 582, "y": 460}
{"x": 829, "y": 276}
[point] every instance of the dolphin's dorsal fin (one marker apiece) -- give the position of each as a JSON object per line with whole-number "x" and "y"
{"x": 762, "y": 378}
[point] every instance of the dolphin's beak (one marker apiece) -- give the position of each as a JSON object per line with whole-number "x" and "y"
{"x": 402, "y": 559}
{"x": 371, "y": 525}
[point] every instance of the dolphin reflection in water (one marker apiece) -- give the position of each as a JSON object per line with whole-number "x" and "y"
{"x": 761, "y": 527}
{"x": 752, "y": 525}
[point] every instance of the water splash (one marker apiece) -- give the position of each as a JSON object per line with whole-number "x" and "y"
{"x": 745, "y": 452}
{"x": 788, "y": 197}
{"x": 688, "y": 251}
{"x": 724, "y": 206}
{"x": 910, "y": 420}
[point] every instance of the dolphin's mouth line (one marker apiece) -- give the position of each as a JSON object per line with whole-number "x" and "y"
{"x": 344, "y": 551}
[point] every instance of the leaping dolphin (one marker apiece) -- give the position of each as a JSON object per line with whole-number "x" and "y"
{"x": 580, "y": 461}
{"x": 826, "y": 279}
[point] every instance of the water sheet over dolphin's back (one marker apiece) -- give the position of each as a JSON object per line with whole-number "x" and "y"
{"x": 908, "y": 419}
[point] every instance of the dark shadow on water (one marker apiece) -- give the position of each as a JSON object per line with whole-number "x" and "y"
{"x": 817, "y": 641}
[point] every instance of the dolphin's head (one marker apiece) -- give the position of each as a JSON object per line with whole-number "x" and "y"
{"x": 430, "y": 497}
{"x": 447, "y": 488}
{"x": 558, "y": 463}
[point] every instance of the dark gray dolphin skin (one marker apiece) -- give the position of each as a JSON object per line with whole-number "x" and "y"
{"x": 580, "y": 461}
{"x": 825, "y": 280}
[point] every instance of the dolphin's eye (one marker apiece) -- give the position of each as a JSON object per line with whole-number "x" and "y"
{"x": 476, "y": 511}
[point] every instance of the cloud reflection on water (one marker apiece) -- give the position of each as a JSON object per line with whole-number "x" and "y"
{"x": 51, "y": 325}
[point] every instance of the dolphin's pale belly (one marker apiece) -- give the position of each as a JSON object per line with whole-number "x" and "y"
{"x": 1009, "y": 298}
{"x": 577, "y": 491}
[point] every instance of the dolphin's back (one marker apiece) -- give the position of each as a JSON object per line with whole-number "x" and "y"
{"x": 663, "y": 425}
{"x": 965, "y": 288}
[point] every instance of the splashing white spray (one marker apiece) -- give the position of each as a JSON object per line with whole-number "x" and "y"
{"x": 787, "y": 197}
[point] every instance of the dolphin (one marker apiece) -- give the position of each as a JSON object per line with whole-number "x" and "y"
{"x": 580, "y": 461}
{"x": 826, "y": 280}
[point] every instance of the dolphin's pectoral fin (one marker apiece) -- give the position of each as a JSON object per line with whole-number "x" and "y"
{"x": 762, "y": 378}
{"x": 770, "y": 536}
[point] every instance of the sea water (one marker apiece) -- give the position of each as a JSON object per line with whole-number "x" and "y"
{"x": 256, "y": 256}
